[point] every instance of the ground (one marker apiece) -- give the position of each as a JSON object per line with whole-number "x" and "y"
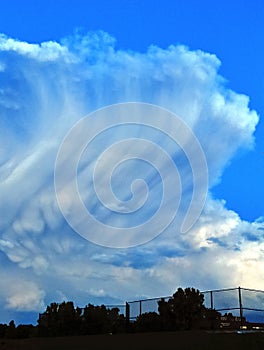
{"x": 187, "y": 340}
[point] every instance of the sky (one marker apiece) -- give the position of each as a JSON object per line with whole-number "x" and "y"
{"x": 200, "y": 64}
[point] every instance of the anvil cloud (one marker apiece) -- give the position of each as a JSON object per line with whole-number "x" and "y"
{"x": 46, "y": 88}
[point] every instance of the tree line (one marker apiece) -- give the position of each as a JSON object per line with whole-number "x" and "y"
{"x": 185, "y": 310}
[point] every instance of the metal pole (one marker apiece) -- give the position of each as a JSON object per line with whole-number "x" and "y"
{"x": 240, "y": 306}
{"x": 211, "y": 300}
{"x": 140, "y": 307}
{"x": 127, "y": 315}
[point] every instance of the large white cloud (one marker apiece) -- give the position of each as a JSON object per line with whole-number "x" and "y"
{"x": 44, "y": 90}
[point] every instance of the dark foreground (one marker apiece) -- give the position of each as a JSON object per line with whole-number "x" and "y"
{"x": 188, "y": 340}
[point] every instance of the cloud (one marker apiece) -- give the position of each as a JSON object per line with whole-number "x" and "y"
{"x": 25, "y": 296}
{"x": 46, "y": 88}
{"x": 47, "y": 51}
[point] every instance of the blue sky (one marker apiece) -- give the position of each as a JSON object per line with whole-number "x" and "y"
{"x": 93, "y": 48}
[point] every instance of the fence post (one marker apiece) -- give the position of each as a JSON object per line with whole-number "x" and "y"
{"x": 211, "y": 299}
{"x": 240, "y": 306}
{"x": 127, "y": 315}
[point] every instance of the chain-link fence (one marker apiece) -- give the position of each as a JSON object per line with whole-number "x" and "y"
{"x": 246, "y": 305}
{"x": 138, "y": 307}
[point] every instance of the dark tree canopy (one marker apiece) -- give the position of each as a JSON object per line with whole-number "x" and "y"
{"x": 184, "y": 310}
{"x": 65, "y": 319}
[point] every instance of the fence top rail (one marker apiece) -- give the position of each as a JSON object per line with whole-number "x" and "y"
{"x": 235, "y": 288}
{"x": 253, "y": 290}
{"x": 221, "y": 290}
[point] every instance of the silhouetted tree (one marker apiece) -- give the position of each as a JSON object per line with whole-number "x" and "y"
{"x": 11, "y": 330}
{"x": 48, "y": 321}
{"x": 99, "y": 319}
{"x": 148, "y": 322}
{"x": 183, "y": 311}
{"x": 3, "y": 328}
{"x": 64, "y": 319}
{"x": 25, "y": 331}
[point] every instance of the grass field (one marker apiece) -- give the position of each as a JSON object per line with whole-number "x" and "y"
{"x": 188, "y": 340}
